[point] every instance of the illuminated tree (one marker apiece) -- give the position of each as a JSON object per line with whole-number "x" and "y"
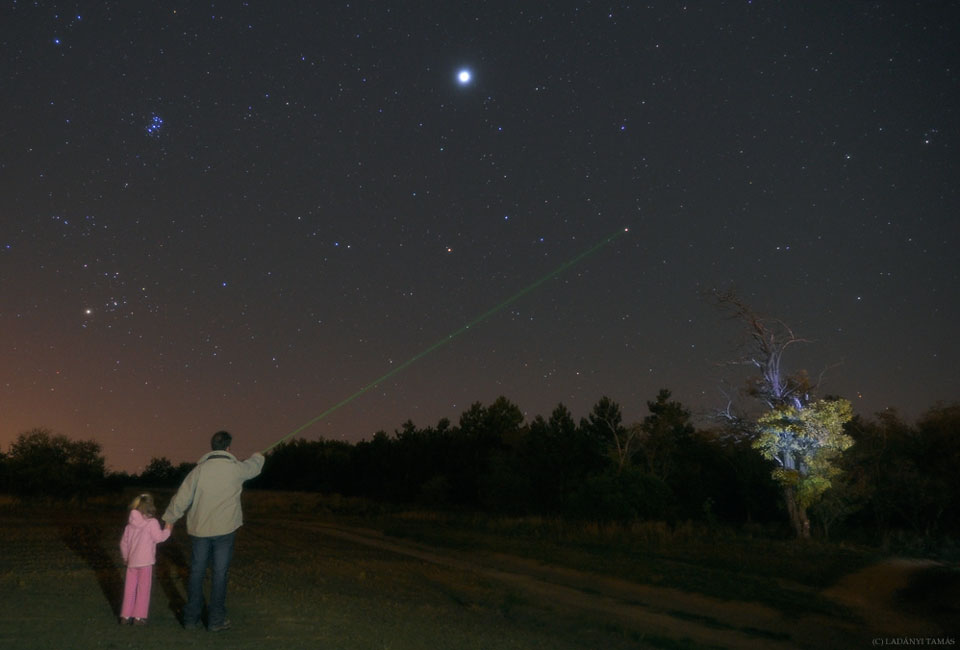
{"x": 805, "y": 443}
{"x": 803, "y": 437}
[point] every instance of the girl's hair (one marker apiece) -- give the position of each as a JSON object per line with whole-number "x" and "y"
{"x": 144, "y": 503}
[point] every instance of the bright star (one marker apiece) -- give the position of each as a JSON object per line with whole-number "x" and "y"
{"x": 464, "y": 77}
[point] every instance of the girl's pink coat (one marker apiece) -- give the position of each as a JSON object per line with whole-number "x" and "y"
{"x": 140, "y": 538}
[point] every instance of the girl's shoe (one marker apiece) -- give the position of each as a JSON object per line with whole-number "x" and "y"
{"x": 139, "y": 621}
{"x": 126, "y": 620}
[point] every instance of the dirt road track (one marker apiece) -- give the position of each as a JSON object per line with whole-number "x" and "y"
{"x": 662, "y": 611}
{"x": 891, "y": 597}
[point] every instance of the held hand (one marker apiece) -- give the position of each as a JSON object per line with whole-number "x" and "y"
{"x": 168, "y": 526}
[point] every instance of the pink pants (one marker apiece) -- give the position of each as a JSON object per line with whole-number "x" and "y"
{"x": 136, "y": 592}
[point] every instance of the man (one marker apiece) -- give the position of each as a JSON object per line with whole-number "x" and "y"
{"x": 210, "y": 497}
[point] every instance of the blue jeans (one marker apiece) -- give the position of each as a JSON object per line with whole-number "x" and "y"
{"x": 215, "y": 552}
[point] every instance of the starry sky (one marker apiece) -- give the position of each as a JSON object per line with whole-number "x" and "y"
{"x": 238, "y": 214}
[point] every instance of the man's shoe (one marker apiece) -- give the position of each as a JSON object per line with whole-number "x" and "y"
{"x": 193, "y": 626}
{"x": 220, "y": 627}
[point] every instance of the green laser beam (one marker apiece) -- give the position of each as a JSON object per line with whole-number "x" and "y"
{"x": 449, "y": 337}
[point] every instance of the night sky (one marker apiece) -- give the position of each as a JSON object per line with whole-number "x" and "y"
{"x": 237, "y": 214}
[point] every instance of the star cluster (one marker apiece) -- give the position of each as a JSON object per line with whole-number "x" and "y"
{"x": 235, "y": 215}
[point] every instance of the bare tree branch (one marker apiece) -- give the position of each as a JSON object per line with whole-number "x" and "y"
{"x": 768, "y": 341}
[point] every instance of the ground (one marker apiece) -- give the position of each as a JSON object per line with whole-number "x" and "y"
{"x": 309, "y": 582}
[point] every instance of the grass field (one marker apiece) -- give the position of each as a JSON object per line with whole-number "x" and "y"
{"x": 315, "y": 572}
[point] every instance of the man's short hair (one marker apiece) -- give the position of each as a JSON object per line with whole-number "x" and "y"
{"x": 221, "y": 440}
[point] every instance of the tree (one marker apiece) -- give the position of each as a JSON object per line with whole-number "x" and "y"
{"x": 484, "y": 433}
{"x": 374, "y": 466}
{"x": 159, "y": 472}
{"x": 804, "y": 438}
{"x": 44, "y": 464}
{"x": 666, "y": 435}
{"x": 937, "y": 451}
{"x": 805, "y": 443}
{"x": 4, "y": 473}
{"x": 768, "y": 340}
{"x": 311, "y": 465}
{"x": 737, "y": 479}
{"x": 870, "y": 488}
{"x": 557, "y": 456}
{"x": 605, "y": 426}
{"x": 904, "y": 475}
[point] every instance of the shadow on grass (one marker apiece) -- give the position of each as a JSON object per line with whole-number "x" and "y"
{"x": 173, "y": 569}
{"x": 86, "y": 541}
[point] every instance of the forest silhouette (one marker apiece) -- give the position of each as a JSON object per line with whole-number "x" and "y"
{"x": 897, "y": 480}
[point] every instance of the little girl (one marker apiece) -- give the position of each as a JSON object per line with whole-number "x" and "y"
{"x": 139, "y": 548}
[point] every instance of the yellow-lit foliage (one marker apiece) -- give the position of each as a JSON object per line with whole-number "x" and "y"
{"x": 805, "y": 443}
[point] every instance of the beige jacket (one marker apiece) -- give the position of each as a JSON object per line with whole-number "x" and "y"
{"x": 210, "y": 494}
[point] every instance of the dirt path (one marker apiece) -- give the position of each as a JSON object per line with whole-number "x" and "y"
{"x": 655, "y": 610}
{"x": 903, "y": 597}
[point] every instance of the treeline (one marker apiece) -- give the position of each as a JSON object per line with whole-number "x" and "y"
{"x": 599, "y": 468}
{"x": 896, "y": 477}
